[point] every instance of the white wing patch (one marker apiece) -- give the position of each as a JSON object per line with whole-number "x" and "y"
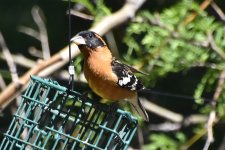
{"x": 126, "y": 78}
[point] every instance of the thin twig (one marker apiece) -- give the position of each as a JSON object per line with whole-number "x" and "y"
{"x": 13, "y": 71}
{"x": 192, "y": 16}
{"x": 163, "y": 112}
{"x": 219, "y": 87}
{"x": 9, "y": 60}
{"x": 212, "y": 115}
{"x": 214, "y": 46}
{"x": 210, "y": 122}
{"x": 21, "y": 60}
{"x": 112, "y": 44}
{"x": 42, "y": 31}
{"x": 170, "y": 126}
{"x": 35, "y": 52}
{"x": 81, "y": 15}
{"x": 165, "y": 127}
{"x": 29, "y": 31}
{"x": 218, "y": 11}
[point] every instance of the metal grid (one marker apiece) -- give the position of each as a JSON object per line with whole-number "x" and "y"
{"x": 51, "y": 117}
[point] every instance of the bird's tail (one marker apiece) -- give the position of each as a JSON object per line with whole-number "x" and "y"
{"x": 138, "y": 107}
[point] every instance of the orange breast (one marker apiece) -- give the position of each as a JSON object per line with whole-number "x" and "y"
{"x": 101, "y": 79}
{"x": 109, "y": 90}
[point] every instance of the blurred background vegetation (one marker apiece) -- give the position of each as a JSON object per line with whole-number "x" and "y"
{"x": 181, "y": 44}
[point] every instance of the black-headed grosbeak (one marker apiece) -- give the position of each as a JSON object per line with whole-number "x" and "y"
{"x": 106, "y": 76}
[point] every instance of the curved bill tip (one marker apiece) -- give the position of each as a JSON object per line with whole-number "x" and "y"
{"x": 78, "y": 40}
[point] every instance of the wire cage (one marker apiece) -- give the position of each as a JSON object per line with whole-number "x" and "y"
{"x": 52, "y": 117}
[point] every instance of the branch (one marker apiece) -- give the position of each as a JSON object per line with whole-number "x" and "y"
{"x": 210, "y": 122}
{"x": 112, "y": 44}
{"x": 170, "y": 127}
{"x": 214, "y": 46}
{"x": 212, "y": 115}
{"x": 192, "y": 16}
{"x": 9, "y": 59}
{"x": 81, "y": 15}
{"x": 218, "y": 11}
{"x": 21, "y": 60}
{"x": 42, "y": 31}
{"x": 124, "y": 14}
{"x": 219, "y": 87}
{"x": 29, "y": 31}
{"x": 61, "y": 58}
{"x": 163, "y": 112}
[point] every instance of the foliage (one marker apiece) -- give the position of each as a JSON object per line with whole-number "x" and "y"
{"x": 171, "y": 46}
{"x": 163, "y": 141}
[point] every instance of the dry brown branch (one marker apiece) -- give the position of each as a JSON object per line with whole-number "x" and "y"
{"x": 61, "y": 58}
{"x": 192, "y": 16}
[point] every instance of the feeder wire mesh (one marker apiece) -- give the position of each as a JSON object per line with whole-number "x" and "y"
{"x": 52, "y": 117}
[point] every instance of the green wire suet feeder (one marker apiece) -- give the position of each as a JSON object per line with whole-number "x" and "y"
{"x": 52, "y": 117}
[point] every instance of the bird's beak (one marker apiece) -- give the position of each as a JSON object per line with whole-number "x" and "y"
{"x": 78, "y": 40}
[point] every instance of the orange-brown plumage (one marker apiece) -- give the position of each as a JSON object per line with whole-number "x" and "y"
{"x": 106, "y": 76}
{"x": 100, "y": 77}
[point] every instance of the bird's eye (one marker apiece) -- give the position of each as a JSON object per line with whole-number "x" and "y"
{"x": 90, "y": 35}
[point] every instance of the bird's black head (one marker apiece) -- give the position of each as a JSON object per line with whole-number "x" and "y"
{"x": 89, "y": 39}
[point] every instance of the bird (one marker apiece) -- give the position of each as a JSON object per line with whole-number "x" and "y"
{"x": 107, "y": 76}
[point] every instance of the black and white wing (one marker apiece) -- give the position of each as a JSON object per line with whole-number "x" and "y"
{"x": 125, "y": 76}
